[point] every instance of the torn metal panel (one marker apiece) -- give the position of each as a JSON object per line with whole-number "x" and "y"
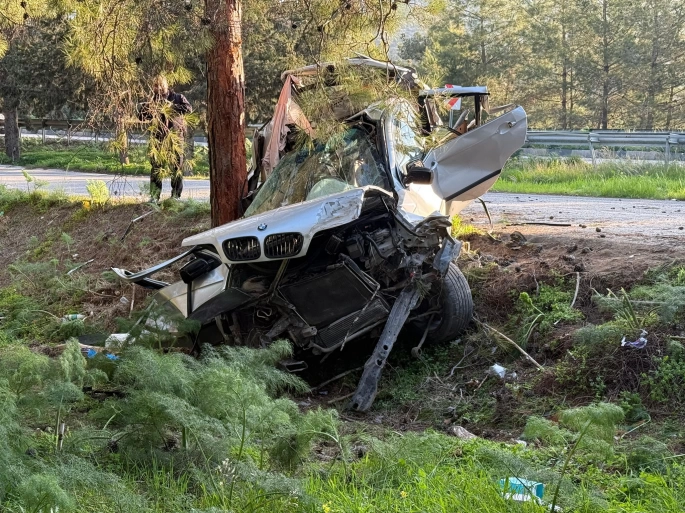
{"x": 287, "y": 112}
{"x": 204, "y": 289}
{"x": 368, "y": 384}
{"x": 130, "y": 277}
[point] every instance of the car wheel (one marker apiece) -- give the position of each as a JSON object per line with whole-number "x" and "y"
{"x": 456, "y": 307}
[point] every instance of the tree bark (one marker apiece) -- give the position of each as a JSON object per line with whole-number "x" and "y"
{"x": 564, "y": 93}
{"x": 226, "y": 111}
{"x": 669, "y": 111}
{"x": 653, "y": 74}
{"x": 604, "y": 121}
{"x": 121, "y": 136}
{"x": 12, "y": 141}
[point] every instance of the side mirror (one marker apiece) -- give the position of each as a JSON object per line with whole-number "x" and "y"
{"x": 418, "y": 173}
{"x": 198, "y": 267}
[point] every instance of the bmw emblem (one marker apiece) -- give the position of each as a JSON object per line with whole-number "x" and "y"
{"x": 261, "y": 227}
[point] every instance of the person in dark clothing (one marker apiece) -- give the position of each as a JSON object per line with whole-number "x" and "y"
{"x": 167, "y": 136}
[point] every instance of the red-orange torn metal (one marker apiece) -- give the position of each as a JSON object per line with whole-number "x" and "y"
{"x": 287, "y": 112}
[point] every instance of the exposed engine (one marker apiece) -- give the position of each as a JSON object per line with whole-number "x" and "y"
{"x": 341, "y": 290}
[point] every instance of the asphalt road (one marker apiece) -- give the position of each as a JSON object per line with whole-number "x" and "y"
{"x": 74, "y": 183}
{"x": 628, "y": 219}
{"x": 653, "y": 222}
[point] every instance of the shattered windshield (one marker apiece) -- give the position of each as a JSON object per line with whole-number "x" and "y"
{"x": 336, "y": 166}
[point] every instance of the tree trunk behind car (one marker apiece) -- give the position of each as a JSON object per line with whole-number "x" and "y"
{"x": 12, "y": 142}
{"x": 226, "y": 111}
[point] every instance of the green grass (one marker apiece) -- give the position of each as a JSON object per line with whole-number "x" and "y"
{"x": 627, "y": 179}
{"x": 93, "y": 158}
{"x": 432, "y": 472}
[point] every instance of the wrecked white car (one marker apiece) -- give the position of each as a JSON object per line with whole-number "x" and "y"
{"x": 346, "y": 241}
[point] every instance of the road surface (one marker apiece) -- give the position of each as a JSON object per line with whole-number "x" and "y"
{"x": 627, "y": 219}
{"x": 74, "y": 183}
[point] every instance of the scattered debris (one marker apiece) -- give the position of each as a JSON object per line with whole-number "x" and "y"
{"x": 640, "y": 343}
{"x": 92, "y": 352}
{"x": 498, "y": 370}
{"x": 73, "y": 317}
{"x": 524, "y": 490}
{"x": 502, "y": 372}
{"x": 522, "y": 487}
{"x": 88, "y": 351}
{"x": 461, "y": 433}
{"x": 541, "y": 224}
{"x": 130, "y": 226}
{"x": 116, "y": 340}
{"x": 80, "y": 265}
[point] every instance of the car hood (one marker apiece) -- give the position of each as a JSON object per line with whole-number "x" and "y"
{"x": 307, "y": 218}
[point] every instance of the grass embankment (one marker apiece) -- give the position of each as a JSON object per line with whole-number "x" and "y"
{"x": 162, "y": 432}
{"x": 628, "y": 179}
{"x": 94, "y": 158}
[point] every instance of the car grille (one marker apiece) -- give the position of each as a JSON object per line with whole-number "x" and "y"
{"x": 242, "y": 248}
{"x": 283, "y": 245}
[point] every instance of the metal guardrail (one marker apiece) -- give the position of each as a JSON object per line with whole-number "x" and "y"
{"x": 71, "y": 127}
{"x": 592, "y": 139}
{"x": 609, "y": 138}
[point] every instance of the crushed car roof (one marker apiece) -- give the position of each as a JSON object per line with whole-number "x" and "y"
{"x": 455, "y": 91}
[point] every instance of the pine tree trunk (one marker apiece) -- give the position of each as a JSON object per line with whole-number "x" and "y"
{"x": 12, "y": 141}
{"x": 564, "y": 80}
{"x": 669, "y": 111}
{"x": 226, "y": 111}
{"x": 483, "y": 53}
{"x": 570, "y": 97}
{"x": 564, "y": 96}
{"x": 121, "y": 137}
{"x": 604, "y": 122}
{"x": 653, "y": 78}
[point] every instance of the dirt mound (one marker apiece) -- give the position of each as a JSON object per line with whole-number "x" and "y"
{"x": 529, "y": 255}
{"x": 70, "y": 235}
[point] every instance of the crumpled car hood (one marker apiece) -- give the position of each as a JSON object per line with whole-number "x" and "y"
{"x": 307, "y": 218}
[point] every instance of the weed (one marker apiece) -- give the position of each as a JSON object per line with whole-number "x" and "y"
{"x": 37, "y": 184}
{"x": 667, "y": 381}
{"x": 67, "y": 239}
{"x": 98, "y": 191}
{"x": 542, "y": 312}
{"x": 461, "y": 230}
{"x": 632, "y": 406}
{"x": 647, "y": 453}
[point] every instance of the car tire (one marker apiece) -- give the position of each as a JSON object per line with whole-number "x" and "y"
{"x": 456, "y": 307}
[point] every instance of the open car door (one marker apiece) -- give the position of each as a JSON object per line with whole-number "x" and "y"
{"x": 466, "y": 166}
